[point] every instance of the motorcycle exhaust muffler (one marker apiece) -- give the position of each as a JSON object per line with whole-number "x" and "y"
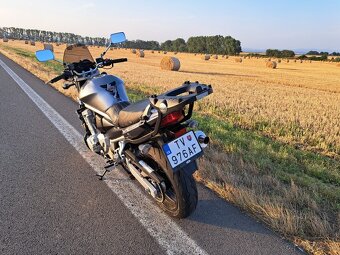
{"x": 202, "y": 138}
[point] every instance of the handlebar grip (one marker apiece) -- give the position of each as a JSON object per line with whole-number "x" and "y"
{"x": 58, "y": 78}
{"x": 119, "y": 60}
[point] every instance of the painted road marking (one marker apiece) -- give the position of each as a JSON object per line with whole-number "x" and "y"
{"x": 161, "y": 227}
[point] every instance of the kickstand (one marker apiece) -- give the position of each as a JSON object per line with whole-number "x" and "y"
{"x": 107, "y": 169}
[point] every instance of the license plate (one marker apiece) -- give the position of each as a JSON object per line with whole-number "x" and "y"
{"x": 182, "y": 150}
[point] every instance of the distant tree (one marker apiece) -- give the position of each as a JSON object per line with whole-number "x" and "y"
{"x": 280, "y": 54}
{"x": 303, "y": 57}
{"x": 179, "y": 45}
{"x": 167, "y": 45}
{"x": 214, "y": 45}
{"x": 313, "y": 52}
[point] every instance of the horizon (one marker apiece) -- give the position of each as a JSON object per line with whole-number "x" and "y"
{"x": 259, "y": 26}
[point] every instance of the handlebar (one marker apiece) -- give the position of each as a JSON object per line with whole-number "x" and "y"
{"x": 65, "y": 75}
{"x": 109, "y": 62}
{"x": 58, "y": 78}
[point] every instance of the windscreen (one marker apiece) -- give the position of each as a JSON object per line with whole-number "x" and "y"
{"x": 77, "y": 53}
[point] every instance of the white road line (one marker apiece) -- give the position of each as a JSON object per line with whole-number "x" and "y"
{"x": 161, "y": 227}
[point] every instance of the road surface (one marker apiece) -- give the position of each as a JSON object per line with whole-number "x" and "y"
{"x": 52, "y": 203}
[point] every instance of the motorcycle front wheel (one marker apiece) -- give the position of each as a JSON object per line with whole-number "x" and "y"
{"x": 180, "y": 195}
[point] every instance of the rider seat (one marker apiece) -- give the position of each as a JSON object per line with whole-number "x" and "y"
{"x": 132, "y": 113}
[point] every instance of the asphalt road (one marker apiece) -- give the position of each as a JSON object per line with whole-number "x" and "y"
{"x": 52, "y": 203}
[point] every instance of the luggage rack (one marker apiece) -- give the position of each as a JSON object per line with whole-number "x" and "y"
{"x": 173, "y": 100}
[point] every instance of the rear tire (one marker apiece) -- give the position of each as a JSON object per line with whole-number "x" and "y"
{"x": 183, "y": 187}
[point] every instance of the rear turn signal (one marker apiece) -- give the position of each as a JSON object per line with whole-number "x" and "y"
{"x": 172, "y": 118}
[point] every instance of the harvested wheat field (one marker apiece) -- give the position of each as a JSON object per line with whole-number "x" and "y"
{"x": 275, "y": 133}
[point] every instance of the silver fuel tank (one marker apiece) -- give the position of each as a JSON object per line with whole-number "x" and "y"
{"x": 103, "y": 91}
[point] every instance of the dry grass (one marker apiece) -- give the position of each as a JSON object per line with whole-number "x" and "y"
{"x": 298, "y": 104}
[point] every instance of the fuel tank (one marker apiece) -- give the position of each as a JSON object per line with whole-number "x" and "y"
{"x": 102, "y": 92}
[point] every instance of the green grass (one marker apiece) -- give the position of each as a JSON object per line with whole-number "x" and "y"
{"x": 51, "y": 65}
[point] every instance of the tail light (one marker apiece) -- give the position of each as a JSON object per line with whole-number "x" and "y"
{"x": 172, "y": 118}
{"x": 180, "y": 132}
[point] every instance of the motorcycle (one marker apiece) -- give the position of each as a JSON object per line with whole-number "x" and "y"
{"x": 154, "y": 140}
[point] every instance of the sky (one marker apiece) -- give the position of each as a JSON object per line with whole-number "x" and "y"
{"x": 258, "y": 24}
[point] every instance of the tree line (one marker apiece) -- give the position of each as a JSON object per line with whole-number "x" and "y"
{"x": 322, "y": 53}
{"x": 48, "y": 36}
{"x": 218, "y": 44}
{"x": 225, "y": 45}
{"x": 280, "y": 53}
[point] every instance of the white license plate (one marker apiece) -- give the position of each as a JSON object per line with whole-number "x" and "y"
{"x": 182, "y": 150}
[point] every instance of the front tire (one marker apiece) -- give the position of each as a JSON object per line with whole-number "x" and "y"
{"x": 181, "y": 193}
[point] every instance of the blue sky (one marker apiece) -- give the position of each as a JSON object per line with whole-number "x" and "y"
{"x": 262, "y": 24}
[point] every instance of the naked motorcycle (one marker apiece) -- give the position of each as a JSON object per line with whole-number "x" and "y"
{"x": 154, "y": 140}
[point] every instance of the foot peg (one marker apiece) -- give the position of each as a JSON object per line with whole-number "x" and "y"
{"x": 107, "y": 169}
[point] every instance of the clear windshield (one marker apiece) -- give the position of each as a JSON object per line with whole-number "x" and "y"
{"x": 77, "y": 53}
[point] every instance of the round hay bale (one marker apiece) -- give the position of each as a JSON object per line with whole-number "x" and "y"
{"x": 175, "y": 53}
{"x": 159, "y": 52}
{"x": 140, "y": 54}
{"x": 206, "y": 57}
{"x": 133, "y": 51}
{"x": 287, "y": 60}
{"x": 279, "y": 61}
{"x": 226, "y": 57}
{"x": 271, "y": 64}
{"x": 165, "y": 52}
{"x": 301, "y": 61}
{"x": 32, "y": 43}
{"x": 48, "y": 46}
{"x": 215, "y": 56}
{"x": 152, "y": 52}
{"x": 238, "y": 60}
{"x": 294, "y": 60}
{"x": 170, "y": 63}
{"x": 5, "y": 39}
{"x": 26, "y": 42}
{"x": 195, "y": 54}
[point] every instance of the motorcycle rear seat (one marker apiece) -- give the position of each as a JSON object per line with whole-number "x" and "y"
{"x": 132, "y": 114}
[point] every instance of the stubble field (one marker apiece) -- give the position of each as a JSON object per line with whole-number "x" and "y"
{"x": 275, "y": 133}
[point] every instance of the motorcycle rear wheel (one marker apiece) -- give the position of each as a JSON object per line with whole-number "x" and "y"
{"x": 181, "y": 193}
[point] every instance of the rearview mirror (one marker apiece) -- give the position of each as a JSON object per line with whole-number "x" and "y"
{"x": 118, "y": 37}
{"x": 44, "y": 55}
